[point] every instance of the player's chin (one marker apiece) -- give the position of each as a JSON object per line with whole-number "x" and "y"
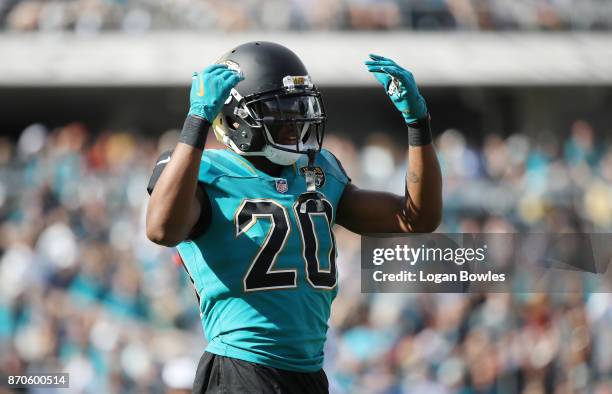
{"x": 288, "y": 141}
{"x": 287, "y": 138}
{"x": 285, "y": 134}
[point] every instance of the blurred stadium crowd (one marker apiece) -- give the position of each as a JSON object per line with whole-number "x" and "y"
{"x": 83, "y": 290}
{"x": 94, "y": 16}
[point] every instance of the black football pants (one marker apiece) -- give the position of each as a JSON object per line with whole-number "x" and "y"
{"x": 225, "y": 375}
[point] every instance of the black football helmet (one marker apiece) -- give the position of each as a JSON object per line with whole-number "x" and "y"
{"x": 276, "y": 111}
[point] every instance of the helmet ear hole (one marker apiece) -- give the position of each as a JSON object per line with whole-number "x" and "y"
{"x": 229, "y": 123}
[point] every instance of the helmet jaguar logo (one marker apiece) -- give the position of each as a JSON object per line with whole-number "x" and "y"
{"x": 233, "y": 66}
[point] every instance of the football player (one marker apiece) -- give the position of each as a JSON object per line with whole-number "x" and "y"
{"x": 253, "y": 222}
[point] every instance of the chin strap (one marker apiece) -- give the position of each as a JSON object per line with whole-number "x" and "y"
{"x": 311, "y": 193}
{"x": 311, "y": 184}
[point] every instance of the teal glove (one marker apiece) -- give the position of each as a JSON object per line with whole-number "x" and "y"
{"x": 400, "y": 86}
{"x": 210, "y": 89}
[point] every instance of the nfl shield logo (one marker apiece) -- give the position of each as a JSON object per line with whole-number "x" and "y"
{"x": 281, "y": 185}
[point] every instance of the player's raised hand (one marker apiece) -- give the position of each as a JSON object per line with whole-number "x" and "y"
{"x": 209, "y": 90}
{"x": 400, "y": 86}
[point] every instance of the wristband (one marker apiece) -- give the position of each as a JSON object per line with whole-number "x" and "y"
{"x": 195, "y": 130}
{"x": 419, "y": 132}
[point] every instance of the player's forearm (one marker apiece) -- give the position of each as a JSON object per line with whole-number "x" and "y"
{"x": 173, "y": 208}
{"x": 422, "y": 206}
{"x": 170, "y": 207}
{"x": 423, "y": 202}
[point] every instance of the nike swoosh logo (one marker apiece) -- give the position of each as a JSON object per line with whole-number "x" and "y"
{"x": 167, "y": 159}
{"x": 201, "y": 92}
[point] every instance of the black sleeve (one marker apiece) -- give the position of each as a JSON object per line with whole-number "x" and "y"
{"x": 204, "y": 220}
{"x": 160, "y": 164}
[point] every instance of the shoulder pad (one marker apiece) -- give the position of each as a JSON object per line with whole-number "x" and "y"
{"x": 220, "y": 162}
{"x": 333, "y": 166}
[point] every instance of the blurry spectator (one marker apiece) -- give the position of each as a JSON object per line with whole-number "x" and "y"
{"x": 82, "y": 290}
{"x": 94, "y": 16}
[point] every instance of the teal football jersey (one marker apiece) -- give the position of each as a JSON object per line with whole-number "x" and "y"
{"x": 265, "y": 269}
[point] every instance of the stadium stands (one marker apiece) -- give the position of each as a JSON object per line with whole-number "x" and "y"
{"x": 82, "y": 289}
{"x": 95, "y": 16}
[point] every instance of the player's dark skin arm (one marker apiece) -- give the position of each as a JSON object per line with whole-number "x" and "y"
{"x": 419, "y": 211}
{"x": 169, "y": 219}
{"x": 176, "y": 201}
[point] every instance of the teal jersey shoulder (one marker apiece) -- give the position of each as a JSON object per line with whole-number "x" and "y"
{"x": 265, "y": 269}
